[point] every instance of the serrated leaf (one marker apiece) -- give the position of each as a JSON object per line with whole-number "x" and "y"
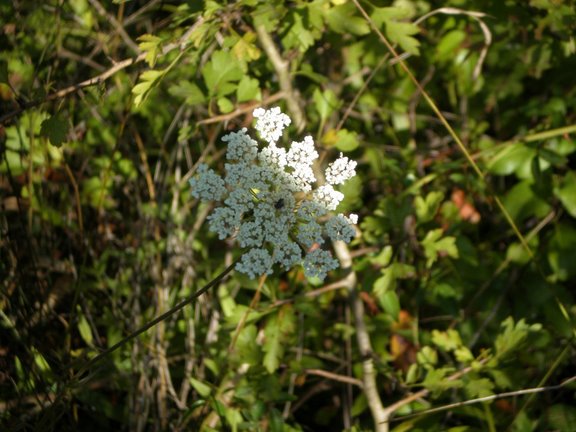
{"x": 426, "y": 208}
{"x": 148, "y": 79}
{"x": 481, "y": 387}
{"x": 298, "y": 35}
{"x": 150, "y": 44}
{"x": 436, "y": 381}
{"x": 448, "y": 340}
{"x": 248, "y": 89}
{"x": 221, "y": 73}
{"x": 513, "y": 336}
{"x": 401, "y": 33}
{"x": 463, "y": 354}
{"x": 189, "y": 91}
{"x": 427, "y": 357}
{"x": 434, "y": 245}
{"x": 245, "y": 49}
{"x": 343, "y": 19}
{"x": 55, "y": 129}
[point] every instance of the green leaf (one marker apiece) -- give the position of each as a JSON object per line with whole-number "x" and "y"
{"x": 481, "y": 387}
{"x": 426, "y": 208}
{"x": 55, "y": 129}
{"x": 401, "y": 33}
{"x": 298, "y": 36}
{"x": 449, "y": 44}
{"x": 388, "y": 279}
{"x": 513, "y": 336}
{"x": 434, "y": 246}
{"x": 552, "y": 157}
{"x": 247, "y": 349}
{"x": 325, "y": 103}
{"x": 221, "y": 73}
{"x": 510, "y": 159}
{"x": 248, "y": 89}
{"x": 521, "y": 202}
{"x": 245, "y": 49}
{"x": 343, "y": 19}
{"x": 566, "y": 193}
{"x": 150, "y": 44}
{"x": 277, "y": 330}
{"x": 436, "y": 381}
{"x": 203, "y": 390}
{"x": 384, "y": 257}
{"x": 85, "y": 330}
{"x": 344, "y": 140}
{"x": 189, "y": 91}
{"x": 359, "y": 406}
{"x": 225, "y": 105}
{"x": 427, "y": 357}
{"x": 561, "y": 252}
{"x": 448, "y": 340}
{"x": 148, "y": 80}
{"x": 463, "y": 354}
{"x": 40, "y": 361}
{"x": 347, "y": 140}
{"x": 390, "y": 303}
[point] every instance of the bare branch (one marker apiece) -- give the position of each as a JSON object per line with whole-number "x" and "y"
{"x": 281, "y": 67}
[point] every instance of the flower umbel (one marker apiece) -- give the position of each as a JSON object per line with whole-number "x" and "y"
{"x": 270, "y": 203}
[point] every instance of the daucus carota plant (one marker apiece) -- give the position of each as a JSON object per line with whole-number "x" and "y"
{"x": 270, "y": 203}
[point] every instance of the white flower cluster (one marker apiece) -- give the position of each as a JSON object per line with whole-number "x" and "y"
{"x": 269, "y": 202}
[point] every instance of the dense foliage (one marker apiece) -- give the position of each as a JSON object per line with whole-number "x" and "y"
{"x": 458, "y": 285}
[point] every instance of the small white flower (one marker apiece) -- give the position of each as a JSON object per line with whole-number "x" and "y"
{"x": 318, "y": 263}
{"x": 341, "y": 228}
{"x": 273, "y": 156}
{"x": 207, "y": 186}
{"x": 302, "y": 153}
{"x": 340, "y": 170}
{"x": 270, "y": 123}
{"x": 328, "y": 197}
{"x": 255, "y": 262}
